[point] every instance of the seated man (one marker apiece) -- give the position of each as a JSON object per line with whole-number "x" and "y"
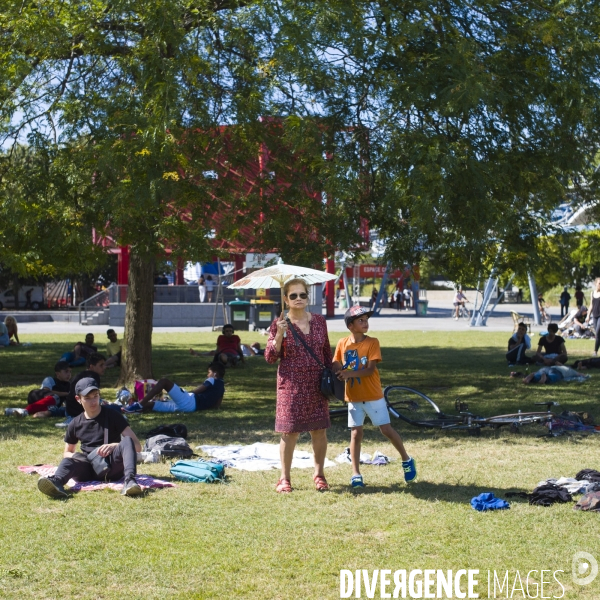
{"x": 229, "y": 348}
{"x": 102, "y": 432}
{"x": 114, "y": 348}
{"x": 60, "y": 384}
{"x": 551, "y": 348}
{"x": 208, "y": 395}
{"x": 517, "y": 344}
{"x": 96, "y": 368}
{"x": 554, "y": 375}
{"x": 81, "y": 352}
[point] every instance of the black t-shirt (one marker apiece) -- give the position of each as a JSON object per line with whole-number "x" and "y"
{"x": 90, "y": 432}
{"x": 215, "y": 388}
{"x": 56, "y": 385}
{"x": 73, "y": 407}
{"x": 552, "y": 347}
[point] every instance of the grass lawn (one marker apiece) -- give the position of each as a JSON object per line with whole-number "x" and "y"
{"x": 242, "y": 540}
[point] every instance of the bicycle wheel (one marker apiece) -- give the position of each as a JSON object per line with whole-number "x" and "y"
{"x": 465, "y": 313}
{"x": 416, "y": 408}
{"x": 339, "y": 411}
{"x": 517, "y": 419}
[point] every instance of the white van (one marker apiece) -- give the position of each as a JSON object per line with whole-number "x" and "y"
{"x": 7, "y": 297}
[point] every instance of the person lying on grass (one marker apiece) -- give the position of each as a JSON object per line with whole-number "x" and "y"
{"x": 47, "y": 401}
{"x": 355, "y": 362}
{"x": 101, "y": 432}
{"x": 554, "y": 374}
{"x": 551, "y": 348}
{"x": 208, "y": 395}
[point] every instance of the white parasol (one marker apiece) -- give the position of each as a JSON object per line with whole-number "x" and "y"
{"x": 277, "y": 275}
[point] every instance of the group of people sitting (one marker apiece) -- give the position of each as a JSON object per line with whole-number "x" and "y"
{"x": 551, "y": 354}
{"x": 83, "y": 350}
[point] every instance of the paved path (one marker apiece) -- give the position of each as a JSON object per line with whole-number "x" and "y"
{"x": 438, "y": 319}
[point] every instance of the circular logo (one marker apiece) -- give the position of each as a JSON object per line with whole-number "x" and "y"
{"x": 584, "y": 568}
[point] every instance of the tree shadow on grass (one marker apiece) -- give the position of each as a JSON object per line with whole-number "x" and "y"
{"x": 437, "y": 492}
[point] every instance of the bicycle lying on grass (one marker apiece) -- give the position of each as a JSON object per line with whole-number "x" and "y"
{"x": 419, "y": 410}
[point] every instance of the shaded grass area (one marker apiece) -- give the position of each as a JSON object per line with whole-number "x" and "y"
{"x": 241, "y": 540}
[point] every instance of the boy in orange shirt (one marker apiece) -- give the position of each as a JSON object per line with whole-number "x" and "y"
{"x": 355, "y": 362}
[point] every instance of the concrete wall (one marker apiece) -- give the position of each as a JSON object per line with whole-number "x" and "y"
{"x": 43, "y": 317}
{"x": 180, "y": 315}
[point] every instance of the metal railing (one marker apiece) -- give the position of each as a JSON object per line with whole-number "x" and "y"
{"x": 95, "y": 302}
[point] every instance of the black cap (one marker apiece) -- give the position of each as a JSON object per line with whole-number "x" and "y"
{"x": 86, "y": 385}
{"x": 354, "y": 312}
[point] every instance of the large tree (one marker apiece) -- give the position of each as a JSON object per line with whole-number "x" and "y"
{"x": 477, "y": 118}
{"x": 450, "y": 126}
{"x": 152, "y": 111}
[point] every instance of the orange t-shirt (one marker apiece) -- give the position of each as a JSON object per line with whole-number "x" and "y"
{"x": 356, "y": 357}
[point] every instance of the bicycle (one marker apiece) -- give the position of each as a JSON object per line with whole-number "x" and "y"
{"x": 464, "y": 312}
{"x": 419, "y": 410}
{"x": 545, "y": 316}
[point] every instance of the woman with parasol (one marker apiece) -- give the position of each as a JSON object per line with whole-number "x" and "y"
{"x": 300, "y": 405}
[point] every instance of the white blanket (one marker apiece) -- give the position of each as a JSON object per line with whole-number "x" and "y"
{"x": 258, "y": 457}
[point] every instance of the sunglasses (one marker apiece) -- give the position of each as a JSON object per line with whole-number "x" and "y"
{"x": 303, "y": 296}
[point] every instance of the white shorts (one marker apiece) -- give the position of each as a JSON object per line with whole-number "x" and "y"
{"x": 180, "y": 402}
{"x": 376, "y": 410}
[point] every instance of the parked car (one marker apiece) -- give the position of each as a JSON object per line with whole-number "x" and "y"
{"x": 7, "y": 297}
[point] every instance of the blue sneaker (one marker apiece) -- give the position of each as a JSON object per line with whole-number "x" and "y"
{"x": 410, "y": 470}
{"x": 357, "y": 481}
{"x": 136, "y": 407}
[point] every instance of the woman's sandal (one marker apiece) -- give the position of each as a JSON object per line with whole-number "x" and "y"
{"x": 321, "y": 484}
{"x": 283, "y": 486}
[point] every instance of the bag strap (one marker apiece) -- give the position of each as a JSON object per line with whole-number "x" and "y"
{"x": 106, "y": 429}
{"x": 308, "y": 348}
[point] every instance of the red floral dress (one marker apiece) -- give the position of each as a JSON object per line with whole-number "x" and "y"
{"x": 300, "y": 404}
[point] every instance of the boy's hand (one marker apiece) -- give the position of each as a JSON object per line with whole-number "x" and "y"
{"x": 344, "y": 375}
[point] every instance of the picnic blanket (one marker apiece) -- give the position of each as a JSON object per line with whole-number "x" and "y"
{"x": 258, "y": 457}
{"x": 144, "y": 481}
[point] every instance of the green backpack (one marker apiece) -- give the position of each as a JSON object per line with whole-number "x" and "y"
{"x": 198, "y": 471}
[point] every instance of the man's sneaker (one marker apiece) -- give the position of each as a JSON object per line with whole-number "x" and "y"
{"x": 136, "y": 407}
{"x": 131, "y": 488}
{"x": 357, "y": 481}
{"x": 410, "y": 470}
{"x": 16, "y": 412}
{"x": 64, "y": 423}
{"x": 48, "y": 486}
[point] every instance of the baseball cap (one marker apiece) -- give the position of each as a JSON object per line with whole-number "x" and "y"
{"x": 354, "y": 312}
{"x": 86, "y": 385}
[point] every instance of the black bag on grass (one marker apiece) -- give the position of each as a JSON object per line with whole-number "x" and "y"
{"x": 168, "y": 446}
{"x": 177, "y": 430}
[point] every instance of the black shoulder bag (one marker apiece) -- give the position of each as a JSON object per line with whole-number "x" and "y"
{"x": 331, "y": 387}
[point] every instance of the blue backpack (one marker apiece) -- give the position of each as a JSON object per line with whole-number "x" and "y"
{"x": 198, "y": 471}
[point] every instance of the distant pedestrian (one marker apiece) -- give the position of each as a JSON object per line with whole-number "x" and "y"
{"x": 202, "y": 288}
{"x": 565, "y": 298}
{"x": 578, "y": 296}
{"x": 210, "y": 286}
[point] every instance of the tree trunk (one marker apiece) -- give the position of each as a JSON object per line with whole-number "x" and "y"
{"x": 137, "y": 360}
